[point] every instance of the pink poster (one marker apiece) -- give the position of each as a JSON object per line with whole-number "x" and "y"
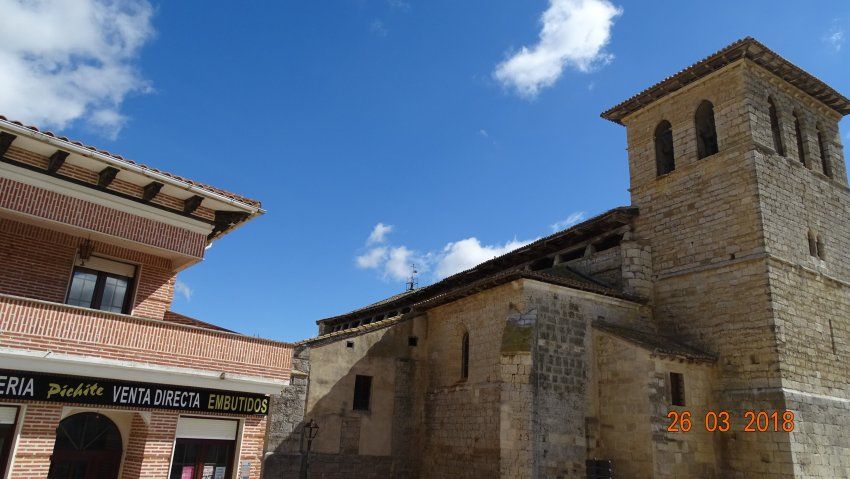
{"x": 188, "y": 472}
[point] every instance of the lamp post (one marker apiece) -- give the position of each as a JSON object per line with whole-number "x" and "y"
{"x": 308, "y": 433}
{"x": 85, "y": 251}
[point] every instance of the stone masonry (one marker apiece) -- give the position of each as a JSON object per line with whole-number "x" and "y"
{"x": 724, "y": 287}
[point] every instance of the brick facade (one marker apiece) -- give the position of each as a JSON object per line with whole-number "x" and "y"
{"x": 46, "y": 217}
{"x": 52, "y": 206}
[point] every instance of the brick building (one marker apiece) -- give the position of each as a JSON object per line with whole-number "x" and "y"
{"x": 723, "y": 288}
{"x": 99, "y": 379}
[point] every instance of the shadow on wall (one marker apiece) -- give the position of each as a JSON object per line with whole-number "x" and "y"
{"x": 377, "y": 443}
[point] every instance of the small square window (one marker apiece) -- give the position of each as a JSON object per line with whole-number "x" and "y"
{"x": 349, "y": 344}
{"x": 362, "y": 392}
{"x": 677, "y": 389}
{"x": 413, "y": 341}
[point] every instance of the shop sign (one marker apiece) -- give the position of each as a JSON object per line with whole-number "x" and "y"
{"x": 23, "y": 385}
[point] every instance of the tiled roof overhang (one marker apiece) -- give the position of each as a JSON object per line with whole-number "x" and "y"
{"x": 748, "y": 48}
{"x": 463, "y": 291}
{"x": 595, "y": 226}
{"x": 658, "y": 345}
{"x": 207, "y": 188}
{"x": 231, "y": 210}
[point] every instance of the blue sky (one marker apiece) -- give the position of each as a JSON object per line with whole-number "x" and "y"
{"x": 427, "y": 118}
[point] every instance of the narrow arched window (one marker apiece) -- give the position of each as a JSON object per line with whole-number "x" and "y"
{"x": 664, "y": 162}
{"x": 813, "y": 244}
{"x": 464, "y": 356}
{"x": 775, "y": 129}
{"x": 826, "y": 161}
{"x": 821, "y": 248}
{"x": 798, "y": 134}
{"x": 706, "y": 132}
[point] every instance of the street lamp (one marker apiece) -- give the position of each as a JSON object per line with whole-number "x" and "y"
{"x": 308, "y": 433}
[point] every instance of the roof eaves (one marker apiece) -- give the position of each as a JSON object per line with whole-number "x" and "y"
{"x": 749, "y": 48}
{"x": 620, "y": 215}
{"x": 506, "y": 277}
{"x": 347, "y": 333}
{"x": 35, "y": 132}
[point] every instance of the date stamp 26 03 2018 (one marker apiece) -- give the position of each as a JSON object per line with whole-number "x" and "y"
{"x": 721, "y": 421}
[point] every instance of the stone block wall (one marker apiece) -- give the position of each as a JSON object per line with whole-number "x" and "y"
{"x": 813, "y": 116}
{"x": 636, "y": 267}
{"x": 462, "y": 416}
{"x": 633, "y": 397}
{"x": 622, "y": 420}
{"x": 375, "y": 443}
{"x": 694, "y": 453}
{"x": 810, "y": 293}
{"x": 705, "y": 227}
{"x": 565, "y": 396}
{"x": 604, "y": 265}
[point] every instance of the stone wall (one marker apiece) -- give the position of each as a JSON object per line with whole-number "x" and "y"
{"x": 733, "y": 273}
{"x": 705, "y": 227}
{"x": 694, "y": 453}
{"x": 605, "y": 265}
{"x": 462, "y": 416}
{"x": 370, "y": 444}
{"x": 565, "y": 392}
{"x": 621, "y": 424}
{"x": 810, "y": 294}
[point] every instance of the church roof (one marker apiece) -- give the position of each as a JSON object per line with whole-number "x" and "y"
{"x": 557, "y": 276}
{"x": 501, "y": 268}
{"x": 748, "y": 48}
{"x": 657, "y": 344}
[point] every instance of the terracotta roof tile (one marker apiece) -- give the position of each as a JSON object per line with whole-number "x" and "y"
{"x": 748, "y": 48}
{"x": 211, "y": 189}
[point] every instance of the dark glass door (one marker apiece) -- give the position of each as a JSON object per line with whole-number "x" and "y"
{"x": 88, "y": 446}
{"x": 202, "y": 459}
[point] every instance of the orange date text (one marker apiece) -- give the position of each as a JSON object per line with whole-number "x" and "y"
{"x": 721, "y": 421}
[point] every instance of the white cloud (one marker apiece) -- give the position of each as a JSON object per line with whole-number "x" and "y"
{"x": 64, "y": 60}
{"x": 379, "y": 233}
{"x": 372, "y": 258}
{"x": 570, "y": 220}
{"x": 835, "y": 37}
{"x": 483, "y": 133}
{"x": 464, "y": 254}
{"x": 395, "y": 262}
{"x": 378, "y": 28}
{"x": 183, "y": 289}
{"x": 400, "y": 4}
{"x": 574, "y": 34}
{"x": 400, "y": 262}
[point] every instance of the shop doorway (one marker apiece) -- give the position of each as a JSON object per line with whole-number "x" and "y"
{"x": 202, "y": 459}
{"x": 88, "y": 446}
{"x": 204, "y": 448}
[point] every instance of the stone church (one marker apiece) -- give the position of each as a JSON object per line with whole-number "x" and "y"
{"x": 701, "y": 332}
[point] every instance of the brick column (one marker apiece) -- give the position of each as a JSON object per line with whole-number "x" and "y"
{"x": 253, "y": 436}
{"x": 158, "y": 444}
{"x": 135, "y": 449}
{"x": 38, "y": 434}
